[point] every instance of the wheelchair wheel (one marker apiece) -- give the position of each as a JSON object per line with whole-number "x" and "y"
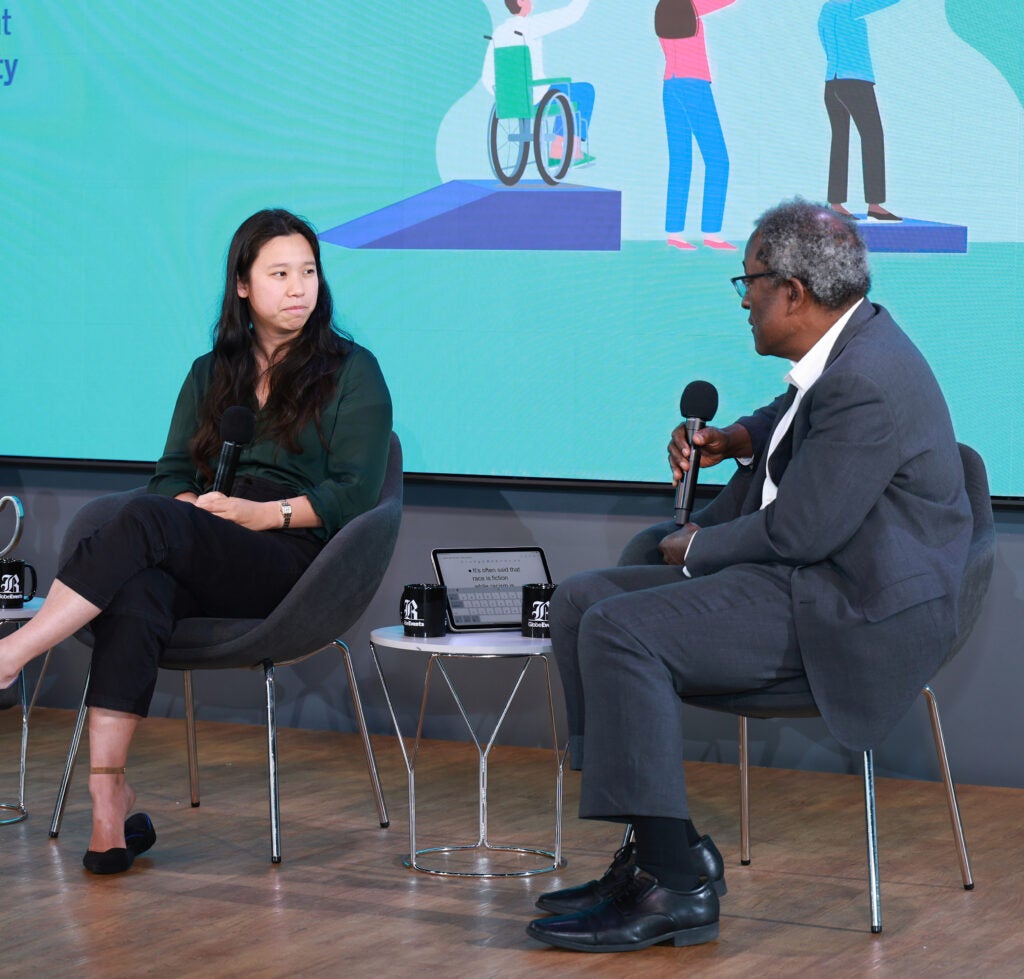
{"x": 555, "y": 105}
{"x": 508, "y": 147}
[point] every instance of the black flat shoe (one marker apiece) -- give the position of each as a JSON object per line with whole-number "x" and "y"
{"x": 642, "y": 914}
{"x": 139, "y": 836}
{"x": 707, "y": 861}
{"x": 116, "y": 860}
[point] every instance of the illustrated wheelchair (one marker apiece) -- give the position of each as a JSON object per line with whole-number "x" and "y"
{"x": 515, "y": 124}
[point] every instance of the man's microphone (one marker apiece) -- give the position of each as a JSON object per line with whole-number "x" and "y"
{"x": 236, "y": 429}
{"x": 698, "y": 406}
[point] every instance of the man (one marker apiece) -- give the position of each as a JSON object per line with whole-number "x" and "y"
{"x": 850, "y": 94}
{"x": 526, "y": 27}
{"x": 829, "y": 565}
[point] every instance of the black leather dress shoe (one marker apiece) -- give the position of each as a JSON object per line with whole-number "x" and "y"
{"x": 641, "y": 914}
{"x": 706, "y": 860}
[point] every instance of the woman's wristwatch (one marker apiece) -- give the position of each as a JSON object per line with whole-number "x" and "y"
{"x": 286, "y": 514}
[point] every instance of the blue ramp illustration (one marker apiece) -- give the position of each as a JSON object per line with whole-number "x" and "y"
{"x": 912, "y": 235}
{"x": 485, "y": 214}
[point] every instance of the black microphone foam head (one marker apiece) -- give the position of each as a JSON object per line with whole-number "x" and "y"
{"x": 237, "y": 425}
{"x": 699, "y": 400}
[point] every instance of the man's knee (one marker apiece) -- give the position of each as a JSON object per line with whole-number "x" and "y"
{"x": 572, "y": 598}
{"x": 606, "y": 642}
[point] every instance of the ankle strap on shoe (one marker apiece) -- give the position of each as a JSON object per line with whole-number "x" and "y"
{"x": 115, "y": 770}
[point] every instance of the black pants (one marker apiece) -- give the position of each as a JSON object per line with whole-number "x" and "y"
{"x": 160, "y": 560}
{"x": 845, "y": 99}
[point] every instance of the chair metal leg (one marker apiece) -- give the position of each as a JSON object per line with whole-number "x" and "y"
{"x": 872, "y": 835}
{"x": 275, "y": 800}
{"x": 39, "y": 682}
{"x": 190, "y": 739}
{"x": 69, "y": 765}
{"x": 371, "y": 760}
{"x": 947, "y": 778}
{"x": 743, "y": 746}
{"x": 870, "y": 811}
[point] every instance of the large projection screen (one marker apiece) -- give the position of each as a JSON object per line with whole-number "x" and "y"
{"x": 526, "y": 331}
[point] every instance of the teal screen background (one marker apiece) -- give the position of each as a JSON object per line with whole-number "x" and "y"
{"x": 136, "y": 136}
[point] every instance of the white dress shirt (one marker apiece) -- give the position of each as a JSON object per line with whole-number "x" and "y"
{"x": 802, "y": 376}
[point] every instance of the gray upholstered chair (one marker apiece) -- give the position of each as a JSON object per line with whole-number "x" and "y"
{"x": 326, "y": 601}
{"x": 642, "y": 549}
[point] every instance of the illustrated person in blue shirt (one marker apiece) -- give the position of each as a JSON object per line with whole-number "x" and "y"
{"x": 850, "y": 93}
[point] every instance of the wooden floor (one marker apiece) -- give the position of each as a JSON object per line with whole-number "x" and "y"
{"x": 206, "y": 901}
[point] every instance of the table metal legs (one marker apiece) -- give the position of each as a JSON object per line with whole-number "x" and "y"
{"x": 18, "y": 810}
{"x": 553, "y": 858}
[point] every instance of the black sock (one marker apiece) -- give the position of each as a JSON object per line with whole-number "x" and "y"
{"x": 692, "y": 836}
{"x": 663, "y": 849}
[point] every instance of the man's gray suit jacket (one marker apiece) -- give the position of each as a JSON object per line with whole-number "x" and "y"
{"x": 872, "y": 515}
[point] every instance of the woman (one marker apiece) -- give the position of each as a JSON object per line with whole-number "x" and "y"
{"x": 323, "y": 422}
{"x": 690, "y": 114}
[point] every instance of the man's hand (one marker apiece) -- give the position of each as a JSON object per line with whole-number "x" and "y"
{"x": 715, "y": 445}
{"x": 245, "y": 513}
{"x": 673, "y": 547}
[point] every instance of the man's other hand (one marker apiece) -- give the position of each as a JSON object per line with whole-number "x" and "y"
{"x": 673, "y": 547}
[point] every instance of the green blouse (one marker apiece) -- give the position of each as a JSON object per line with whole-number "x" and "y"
{"x": 340, "y": 482}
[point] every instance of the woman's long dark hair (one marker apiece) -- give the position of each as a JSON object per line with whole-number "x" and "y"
{"x": 675, "y": 19}
{"x": 301, "y": 381}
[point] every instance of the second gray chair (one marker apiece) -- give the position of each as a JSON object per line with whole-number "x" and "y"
{"x": 781, "y": 703}
{"x": 329, "y": 597}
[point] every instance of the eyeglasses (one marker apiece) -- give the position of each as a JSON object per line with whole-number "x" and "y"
{"x": 741, "y": 283}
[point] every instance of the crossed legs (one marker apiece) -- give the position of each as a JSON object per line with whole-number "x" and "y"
{"x": 132, "y": 581}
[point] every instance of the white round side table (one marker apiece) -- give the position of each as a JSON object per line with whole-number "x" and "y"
{"x": 475, "y": 646}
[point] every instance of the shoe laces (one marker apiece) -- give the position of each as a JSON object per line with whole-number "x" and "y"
{"x": 621, "y": 865}
{"x": 635, "y": 886}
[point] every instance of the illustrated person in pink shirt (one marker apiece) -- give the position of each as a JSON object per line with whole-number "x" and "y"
{"x": 690, "y": 114}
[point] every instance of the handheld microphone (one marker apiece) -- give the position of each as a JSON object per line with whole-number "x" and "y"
{"x": 698, "y": 406}
{"x": 236, "y": 429}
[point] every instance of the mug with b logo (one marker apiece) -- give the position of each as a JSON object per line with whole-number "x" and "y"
{"x": 12, "y": 571}
{"x": 536, "y": 605}
{"x": 423, "y": 609}
{"x": 13, "y": 593}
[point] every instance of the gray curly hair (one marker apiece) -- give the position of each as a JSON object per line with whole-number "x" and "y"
{"x": 824, "y": 250}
